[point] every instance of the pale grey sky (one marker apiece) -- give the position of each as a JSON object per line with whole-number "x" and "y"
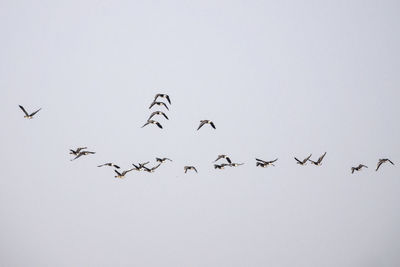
{"x": 279, "y": 79}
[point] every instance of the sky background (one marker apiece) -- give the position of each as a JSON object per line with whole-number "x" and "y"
{"x": 278, "y": 78}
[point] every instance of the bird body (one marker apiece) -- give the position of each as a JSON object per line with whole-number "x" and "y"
{"x": 27, "y": 115}
{"x": 158, "y": 104}
{"x": 109, "y": 164}
{"x": 186, "y": 168}
{"x": 162, "y": 96}
{"x": 381, "y": 161}
{"x": 158, "y": 113}
{"x": 202, "y": 122}
{"x": 319, "y": 161}
{"x": 358, "y": 168}
{"x": 153, "y": 122}
{"x": 302, "y": 162}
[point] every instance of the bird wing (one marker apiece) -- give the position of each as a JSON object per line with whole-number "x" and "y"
{"x": 306, "y": 159}
{"x": 168, "y": 159}
{"x": 321, "y": 158}
{"x": 169, "y": 100}
{"x": 79, "y": 149}
{"x": 152, "y": 104}
{"x": 101, "y": 165}
{"x": 118, "y": 172}
{"x": 32, "y": 114}
{"x": 152, "y": 115}
{"x": 390, "y": 161}
{"x": 162, "y": 103}
{"x": 80, "y": 154}
{"x": 194, "y": 168}
{"x": 352, "y": 169}
{"x": 213, "y": 125}
{"x": 261, "y": 160}
{"x": 228, "y": 159}
{"x": 185, "y": 168}
{"x": 378, "y": 165}
{"x": 201, "y": 125}
{"x": 272, "y": 161}
{"x": 159, "y": 125}
{"x": 162, "y": 113}
{"x": 21, "y": 107}
{"x": 147, "y": 123}
{"x": 155, "y": 98}
{"x": 155, "y": 167}
{"x": 298, "y": 160}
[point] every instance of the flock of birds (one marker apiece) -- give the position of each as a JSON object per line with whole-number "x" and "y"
{"x": 81, "y": 151}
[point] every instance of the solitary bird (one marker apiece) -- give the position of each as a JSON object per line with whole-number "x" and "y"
{"x": 158, "y": 113}
{"x": 263, "y": 163}
{"x": 83, "y": 153}
{"x": 319, "y": 161}
{"x": 153, "y": 122}
{"x": 27, "y": 115}
{"x": 304, "y": 161}
{"x": 381, "y": 161}
{"x": 109, "y": 164}
{"x": 358, "y": 168}
{"x": 122, "y": 175}
{"x": 235, "y": 164}
{"x": 163, "y": 96}
{"x": 202, "y": 122}
{"x": 162, "y": 160}
{"x": 158, "y": 104}
{"x": 76, "y": 151}
{"x": 223, "y": 157}
{"x": 186, "y": 168}
{"x": 151, "y": 169}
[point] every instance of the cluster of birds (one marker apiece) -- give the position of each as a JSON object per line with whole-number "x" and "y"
{"x": 81, "y": 151}
{"x": 158, "y": 112}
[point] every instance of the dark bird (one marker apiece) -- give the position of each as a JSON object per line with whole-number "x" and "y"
{"x": 235, "y": 164}
{"x": 263, "y": 163}
{"x": 158, "y": 104}
{"x": 358, "y": 168}
{"x": 151, "y": 169}
{"x": 202, "y": 122}
{"x": 140, "y": 167}
{"x": 158, "y": 113}
{"x": 122, "y": 175}
{"x": 76, "y": 151}
{"x": 163, "y": 96}
{"x": 162, "y": 160}
{"x": 83, "y": 153}
{"x": 109, "y": 164}
{"x": 153, "y": 122}
{"x": 27, "y": 115}
{"x": 319, "y": 161}
{"x": 223, "y": 157}
{"x": 221, "y": 166}
{"x": 186, "y": 168}
{"x": 304, "y": 161}
{"x": 381, "y": 161}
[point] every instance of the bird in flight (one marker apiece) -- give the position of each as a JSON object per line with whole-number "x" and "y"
{"x": 140, "y": 167}
{"x": 121, "y": 175}
{"x": 109, "y": 164}
{"x": 358, "y": 168}
{"x": 158, "y": 104}
{"x": 158, "y": 113}
{"x": 264, "y": 164}
{"x": 27, "y": 115}
{"x": 76, "y": 151}
{"x": 319, "y": 161}
{"x": 186, "y": 168}
{"x": 153, "y": 122}
{"x": 235, "y": 164}
{"x": 151, "y": 169}
{"x": 221, "y": 166}
{"x": 223, "y": 157}
{"x": 163, "y": 96}
{"x": 83, "y": 153}
{"x": 202, "y": 122}
{"x": 304, "y": 161}
{"x": 381, "y": 161}
{"x": 162, "y": 160}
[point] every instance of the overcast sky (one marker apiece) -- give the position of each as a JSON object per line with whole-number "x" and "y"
{"x": 279, "y": 79}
